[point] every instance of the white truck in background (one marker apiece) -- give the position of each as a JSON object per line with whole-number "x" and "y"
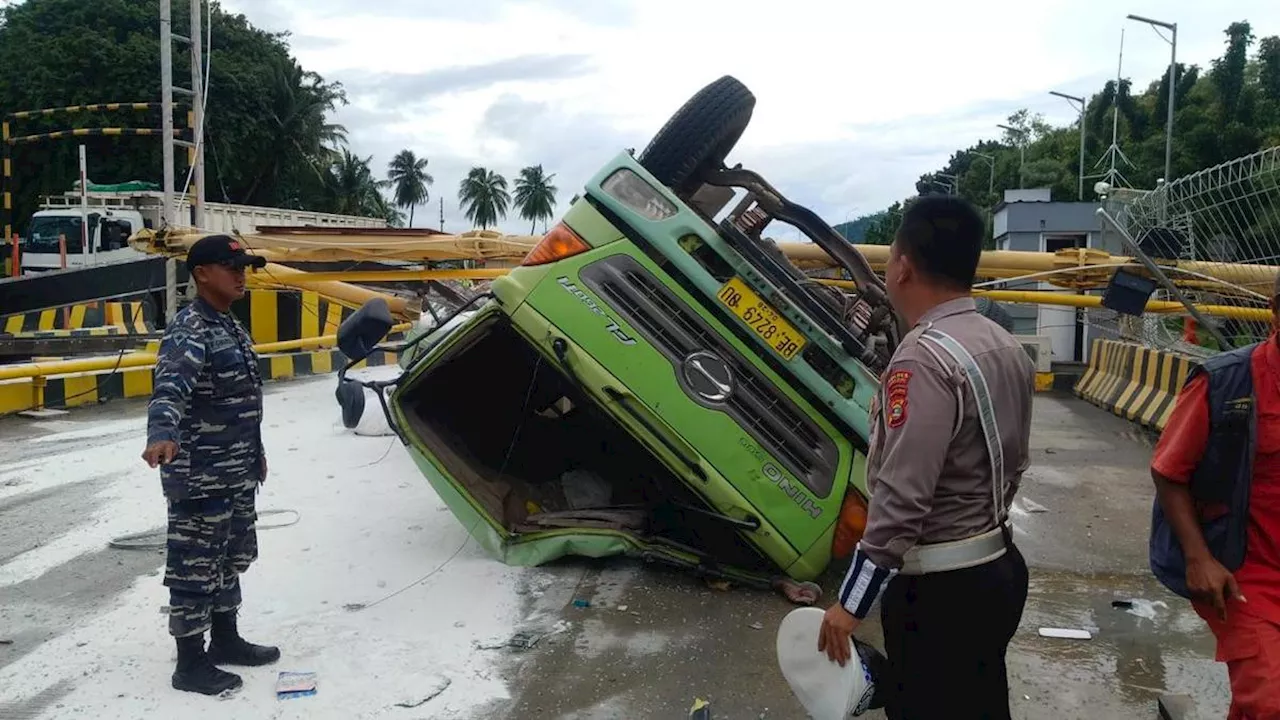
{"x": 113, "y": 217}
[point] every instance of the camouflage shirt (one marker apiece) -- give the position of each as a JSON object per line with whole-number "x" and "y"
{"x": 207, "y": 398}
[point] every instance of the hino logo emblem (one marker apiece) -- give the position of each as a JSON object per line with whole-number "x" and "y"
{"x": 707, "y": 376}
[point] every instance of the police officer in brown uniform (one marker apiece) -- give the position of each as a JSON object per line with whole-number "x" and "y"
{"x": 949, "y": 444}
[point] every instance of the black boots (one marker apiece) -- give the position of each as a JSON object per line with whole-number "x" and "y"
{"x": 195, "y": 673}
{"x": 226, "y": 647}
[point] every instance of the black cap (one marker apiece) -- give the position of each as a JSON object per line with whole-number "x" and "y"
{"x": 220, "y": 250}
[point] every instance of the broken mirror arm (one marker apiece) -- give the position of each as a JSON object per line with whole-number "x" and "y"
{"x": 359, "y": 336}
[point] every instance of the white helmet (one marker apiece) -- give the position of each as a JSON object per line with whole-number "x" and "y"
{"x": 826, "y": 690}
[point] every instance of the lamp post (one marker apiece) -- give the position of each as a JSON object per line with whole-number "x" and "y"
{"x": 991, "y": 176}
{"x": 1021, "y": 134}
{"x": 1173, "y": 67}
{"x": 1083, "y": 102}
{"x": 953, "y": 187}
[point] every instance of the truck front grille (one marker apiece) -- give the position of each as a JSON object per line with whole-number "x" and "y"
{"x": 677, "y": 332}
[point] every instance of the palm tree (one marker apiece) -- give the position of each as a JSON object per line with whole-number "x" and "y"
{"x": 535, "y": 196}
{"x": 484, "y": 198}
{"x": 294, "y": 118}
{"x": 353, "y": 188}
{"x": 409, "y": 180}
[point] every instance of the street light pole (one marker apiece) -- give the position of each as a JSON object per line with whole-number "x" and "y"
{"x": 1022, "y": 147}
{"x": 991, "y": 176}
{"x": 1083, "y": 102}
{"x": 1173, "y": 67}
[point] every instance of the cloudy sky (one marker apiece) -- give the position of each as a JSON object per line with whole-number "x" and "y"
{"x": 854, "y": 99}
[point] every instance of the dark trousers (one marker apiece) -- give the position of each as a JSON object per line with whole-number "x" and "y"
{"x": 212, "y": 541}
{"x": 946, "y": 635}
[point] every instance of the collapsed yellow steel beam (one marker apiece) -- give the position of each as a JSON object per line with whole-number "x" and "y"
{"x": 1036, "y": 297}
{"x": 1076, "y": 268}
{"x": 276, "y": 275}
{"x": 398, "y": 275}
{"x": 328, "y": 245}
{"x": 1013, "y": 263}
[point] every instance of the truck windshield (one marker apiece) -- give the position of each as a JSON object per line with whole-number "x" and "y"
{"x": 43, "y": 236}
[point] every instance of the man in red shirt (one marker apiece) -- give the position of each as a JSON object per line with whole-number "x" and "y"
{"x": 1241, "y": 608}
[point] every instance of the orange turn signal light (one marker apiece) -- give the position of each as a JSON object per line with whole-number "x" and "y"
{"x": 850, "y": 526}
{"x": 558, "y": 244}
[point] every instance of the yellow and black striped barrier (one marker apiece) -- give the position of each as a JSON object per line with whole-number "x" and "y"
{"x": 283, "y": 315}
{"x": 104, "y": 318}
{"x": 1133, "y": 381}
{"x": 90, "y": 388}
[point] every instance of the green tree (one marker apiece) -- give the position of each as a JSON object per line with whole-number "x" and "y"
{"x": 269, "y": 140}
{"x": 1230, "y": 111}
{"x": 535, "y": 196}
{"x": 409, "y": 180}
{"x": 354, "y": 189}
{"x": 484, "y": 197}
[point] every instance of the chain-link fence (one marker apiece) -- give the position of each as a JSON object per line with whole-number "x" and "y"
{"x": 1216, "y": 235}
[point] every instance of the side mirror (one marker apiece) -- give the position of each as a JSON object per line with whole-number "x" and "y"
{"x": 350, "y": 395}
{"x": 360, "y": 333}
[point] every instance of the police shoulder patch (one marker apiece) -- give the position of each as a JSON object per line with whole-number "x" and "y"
{"x": 895, "y": 391}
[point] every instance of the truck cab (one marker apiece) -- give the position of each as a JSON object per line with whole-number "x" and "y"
{"x": 109, "y": 230}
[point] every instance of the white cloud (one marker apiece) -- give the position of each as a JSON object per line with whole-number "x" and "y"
{"x": 854, "y": 100}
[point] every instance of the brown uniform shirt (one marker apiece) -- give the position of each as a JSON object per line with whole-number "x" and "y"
{"x": 928, "y": 469}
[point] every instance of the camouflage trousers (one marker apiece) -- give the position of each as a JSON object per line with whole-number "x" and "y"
{"x": 212, "y": 541}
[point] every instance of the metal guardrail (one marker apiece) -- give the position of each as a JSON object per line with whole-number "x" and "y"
{"x": 144, "y": 359}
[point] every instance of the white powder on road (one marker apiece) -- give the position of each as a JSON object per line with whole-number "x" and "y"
{"x": 370, "y": 525}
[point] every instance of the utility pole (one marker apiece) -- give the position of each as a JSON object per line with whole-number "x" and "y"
{"x": 991, "y": 176}
{"x": 166, "y": 106}
{"x": 1173, "y": 67}
{"x": 169, "y": 213}
{"x": 197, "y": 107}
{"x": 1083, "y": 103}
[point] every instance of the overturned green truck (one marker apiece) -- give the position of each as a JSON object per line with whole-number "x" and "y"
{"x": 655, "y": 379}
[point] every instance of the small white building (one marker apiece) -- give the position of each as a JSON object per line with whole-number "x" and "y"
{"x": 1030, "y": 221}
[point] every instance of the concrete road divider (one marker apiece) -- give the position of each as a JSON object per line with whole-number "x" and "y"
{"x": 1133, "y": 381}
{"x": 54, "y": 383}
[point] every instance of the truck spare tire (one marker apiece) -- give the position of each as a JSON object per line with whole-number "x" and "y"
{"x": 700, "y": 135}
{"x": 995, "y": 312}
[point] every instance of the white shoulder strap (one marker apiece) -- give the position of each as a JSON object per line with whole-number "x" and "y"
{"x": 986, "y": 413}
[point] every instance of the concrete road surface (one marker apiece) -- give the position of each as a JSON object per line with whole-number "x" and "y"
{"x": 377, "y": 589}
{"x": 1082, "y": 519}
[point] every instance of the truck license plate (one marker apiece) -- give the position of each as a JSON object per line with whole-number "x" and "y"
{"x": 762, "y": 318}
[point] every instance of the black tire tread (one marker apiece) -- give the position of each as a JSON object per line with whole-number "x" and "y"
{"x": 995, "y": 312}
{"x": 700, "y": 134}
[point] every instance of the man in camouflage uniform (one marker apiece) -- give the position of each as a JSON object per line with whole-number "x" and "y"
{"x": 204, "y": 431}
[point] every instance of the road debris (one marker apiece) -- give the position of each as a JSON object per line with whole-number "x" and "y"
{"x": 295, "y": 684}
{"x": 800, "y": 593}
{"x": 436, "y": 685}
{"x": 526, "y": 638}
{"x": 1032, "y": 506}
{"x": 1066, "y": 633}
